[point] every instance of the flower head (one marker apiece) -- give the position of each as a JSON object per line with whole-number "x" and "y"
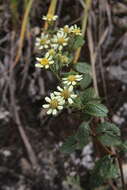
{"x": 44, "y": 62}
{"x": 51, "y": 52}
{"x": 54, "y": 104}
{"x": 76, "y": 30}
{"x": 60, "y": 40}
{"x": 65, "y": 29}
{"x": 66, "y": 93}
{"x": 43, "y": 41}
{"x": 50, "y": 18}
{"x": 63, "y": 58}
{"x": 72, "y": 79}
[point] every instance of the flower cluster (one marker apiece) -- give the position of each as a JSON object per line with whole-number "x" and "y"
{"x": 54, "y": 46}
{"x": 64, "y": 96}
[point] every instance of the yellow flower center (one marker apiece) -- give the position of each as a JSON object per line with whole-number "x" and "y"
{"x": 65, "y": 94}
{"x": 64, "y": 59}
{"x": 61, "y": 40}
{"x": 54, "y": 104}
{"x": 77, "y": 31}
{"x": 71, "y": 78}
{"x": 49, "y": 17}
{"x": 44, "y": 61}
{"x": 66, "y": 29}
{"x": 43, "y": 41}
{"x": 51, "y": 52}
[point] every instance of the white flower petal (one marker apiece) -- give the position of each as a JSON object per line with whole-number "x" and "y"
{"x": 73, "y": 95}
{"x": 70, "y": 89}
{"x": 39, "y": 65}
{"x": 60, "y": 107}
{"x": 64, "y": 78}
{"x": 70, "y": 100}
{"x": 57, "y": 93}
{"x": 59, "y": 88}
{"x": 65, "y": 82}
{"x": 54, "y": 112}
{"x": 46, "y": 106}
{"x": 73, "y": 83}
{"x": 46, "y": 66}
{"x": 38, "y": 59}
{"x": 47, "y": 99}
{"x": 52, "y": 96}
{"x": 49, "y": 111}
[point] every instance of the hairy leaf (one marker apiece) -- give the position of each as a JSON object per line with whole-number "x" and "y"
{"x": 110, "y": 128}
{"x": 96, "y": 109}
{"x": 82, "y": 67}
{"x": 83, "y": 135}
{"x": 85, "y": 82}
{"x": 110, "y": 140}
{"x": 69, "y": 145}
{"x": 109, "y": 134}
{"x": 104, "y": 170}
{"x": 87, "y": 95}
{"x": 79, "y": 41}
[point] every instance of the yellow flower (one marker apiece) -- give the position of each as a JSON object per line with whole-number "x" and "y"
{"x": 72, "y": 79}
{"x": 55, "y": 104}
{"x": 60, "y": 40}
{"x": 65, "y": 29}
{"x": 50, "y": 17}
{"x": 66, "y": 93}
{"x": 76, "y": 30}
{"x": 44, "y": 62}
{"x": 63, "y": 58}
{"x": 43, "y": 41}
{"x": 51, "y": 52}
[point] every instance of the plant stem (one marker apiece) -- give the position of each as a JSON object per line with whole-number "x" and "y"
{"x": 84, "y": 24}
{"x": 23, "y": 30}
{"x": 51, "y": 11}
{"x": 121, "y": 171}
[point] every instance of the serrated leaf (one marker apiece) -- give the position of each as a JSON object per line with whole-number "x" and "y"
{"x": 85, "y": 82}
{"x": 69, "y": 145}
{"x": 82, "y": 135}
{"x": 104, "y": 170}
{"x": 96, "y": 109}
{"x": 123, "y": 146}
{"x": 109, "y": 134}
{"x": 108, "y": 128}
{"x": 79, "y": 41}
{"x": 109, "y": 140}
{"x": 88, "y": 95}
{"x": 83, "y": 67}
{"x": 77, "y": 103}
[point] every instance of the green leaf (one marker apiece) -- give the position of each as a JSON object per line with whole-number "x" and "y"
{"x": 96, "y": 109}
{"x": 104, "y": 170}
{"x": 82, "y": 67}
{"x": 66, "y": 74}
{"x": 82, "y": 135}
{"x": 87, "y": 95}
{"x": 77, "y": 103}
{"x": 110, "y": 140}
{"x": 85, "y": 82}
{"x": 109, "y": 134}
{"x": 123, "y": 146}
{"x": 69, "y": 145}
{"x": 79, "y": 41}
{"x": 108, "y": 128}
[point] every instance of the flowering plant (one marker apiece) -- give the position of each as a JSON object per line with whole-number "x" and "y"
{"x": 57, "y": 49}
